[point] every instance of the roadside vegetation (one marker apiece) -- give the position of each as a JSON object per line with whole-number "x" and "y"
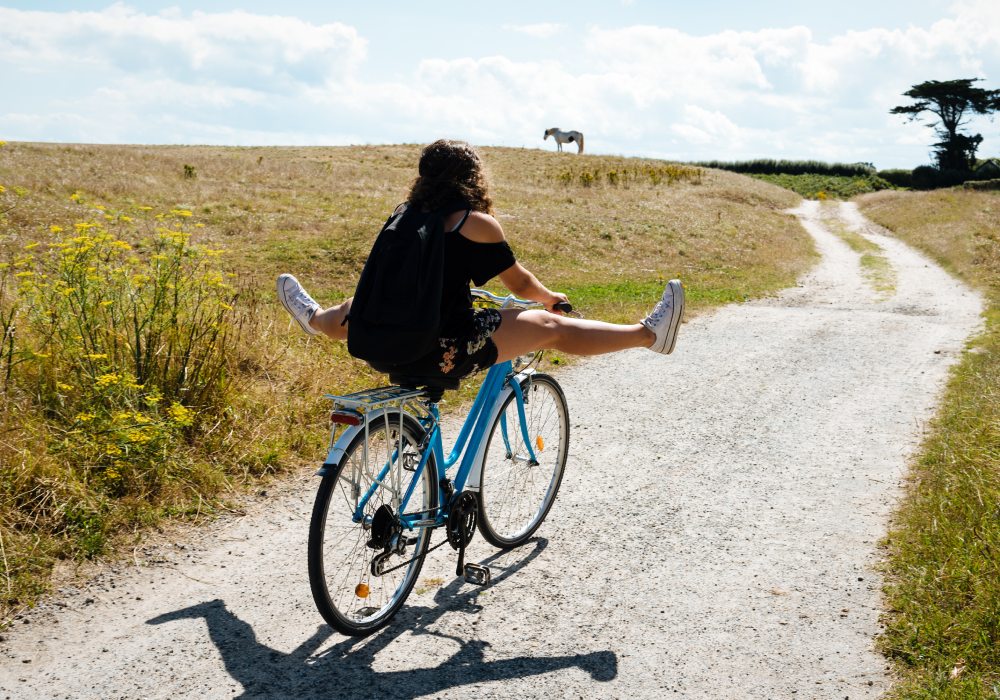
{"x": 809, "y": 178}
{"x": 943, "y": 568}
{"x": 147, "y": 370}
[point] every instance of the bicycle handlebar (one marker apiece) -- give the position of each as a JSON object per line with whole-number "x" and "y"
{"x": 510, "y": 300}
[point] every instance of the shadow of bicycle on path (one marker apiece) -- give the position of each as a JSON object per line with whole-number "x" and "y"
{"x": 346, "y": 669}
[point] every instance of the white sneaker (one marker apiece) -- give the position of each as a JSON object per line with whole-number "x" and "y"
{"x": 665, "y": 318}
{"x": 297, "y": 302}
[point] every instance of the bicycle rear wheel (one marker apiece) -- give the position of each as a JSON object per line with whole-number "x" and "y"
{"x": 516, "y": 493}
{"x": 349, "y": 595}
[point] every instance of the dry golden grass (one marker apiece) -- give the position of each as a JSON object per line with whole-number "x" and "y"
{"x": 608, "y": 242}
{"x": 943, "y": 590}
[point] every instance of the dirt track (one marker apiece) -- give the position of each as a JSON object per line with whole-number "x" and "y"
{"x": 715, "y": 535}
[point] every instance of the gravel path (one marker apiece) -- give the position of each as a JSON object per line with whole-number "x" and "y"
{"x": 715, "y": 535}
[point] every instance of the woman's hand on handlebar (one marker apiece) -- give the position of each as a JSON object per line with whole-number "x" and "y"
{"x": 558, "y": 303}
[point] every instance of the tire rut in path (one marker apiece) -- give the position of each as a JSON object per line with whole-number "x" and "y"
{"x": 715, "y": 534}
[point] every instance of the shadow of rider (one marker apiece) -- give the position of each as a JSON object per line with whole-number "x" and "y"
{"x": 346, "y": 668}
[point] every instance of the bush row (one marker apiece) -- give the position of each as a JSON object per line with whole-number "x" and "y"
{"x": 767, "y": 166}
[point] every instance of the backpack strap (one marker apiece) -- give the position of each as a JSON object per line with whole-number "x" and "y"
{"x": 462, "y": 222}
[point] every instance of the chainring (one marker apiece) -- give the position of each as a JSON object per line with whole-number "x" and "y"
{"x": 462, "y": 519}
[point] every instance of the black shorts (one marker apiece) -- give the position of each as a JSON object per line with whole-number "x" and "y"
{"x": 459, "y": 357}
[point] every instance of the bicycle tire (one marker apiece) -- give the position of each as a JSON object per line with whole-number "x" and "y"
{"x": 515, "y": 496}
{"x": 339, "y": 558}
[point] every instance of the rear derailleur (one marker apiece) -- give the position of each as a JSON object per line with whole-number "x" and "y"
{"x": 387, "y": 535}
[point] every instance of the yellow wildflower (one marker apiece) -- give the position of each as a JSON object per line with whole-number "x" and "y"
{"x": 96, "y": 355}
{"x": 26, "y": 273}
{"x": 2, "y": 144}
{"x": 107, "y": 380}
{"x": 100, "y": 206}
{"x": 55, "y": 229}
{"x": 64, "y": 387}
{"x": 199, "y": 225}
{"x": 181, "y": 415}
{"x": 113, "y": 451}
{"x": 107, "y": 302}
{"x": 75, "y": 197}
{"x": 137, "y": 436}
{"x": 82, "y": 226}
{"x": 181, "y": 212}
{"x": 32, "y": 246}
{"x": 2, "y": 189}
{"x": 126, "y": 219}
{"x": 145, "y": 208}
{"x": 85, "y": 417}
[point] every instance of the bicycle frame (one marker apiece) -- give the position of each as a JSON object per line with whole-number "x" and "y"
{"x": 469, "y": 446}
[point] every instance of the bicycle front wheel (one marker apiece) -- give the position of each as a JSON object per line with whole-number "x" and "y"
{"x": 347, "y": 532}
{"x": 516, "y": 491}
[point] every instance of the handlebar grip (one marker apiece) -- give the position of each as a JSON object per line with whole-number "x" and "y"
{"x": 563, "y": 306}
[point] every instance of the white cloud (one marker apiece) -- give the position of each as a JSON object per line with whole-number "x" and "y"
{"x": 544, "y": 30}
{"x": 702, "y": 126}
{"x": 231, "y": 47}
{"x": 236, "y": 77}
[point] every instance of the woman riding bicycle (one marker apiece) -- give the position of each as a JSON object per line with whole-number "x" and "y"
{"x": 451, "y": 178}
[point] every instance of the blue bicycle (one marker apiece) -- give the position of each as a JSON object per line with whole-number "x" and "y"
{"x": 387, "y": 484}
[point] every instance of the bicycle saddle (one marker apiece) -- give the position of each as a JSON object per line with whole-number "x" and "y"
{"x": 433, "y": 386}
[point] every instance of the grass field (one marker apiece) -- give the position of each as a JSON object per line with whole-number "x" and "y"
{"x": 148, "y": 370}
{"x": 943, "y": 592}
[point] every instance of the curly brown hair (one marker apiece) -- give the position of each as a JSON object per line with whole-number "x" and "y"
{"x": 449, "y": 171}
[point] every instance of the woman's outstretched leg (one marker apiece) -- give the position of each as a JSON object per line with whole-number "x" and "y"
{"x": 313, "y": 319}
{"x": 525, "y": 331}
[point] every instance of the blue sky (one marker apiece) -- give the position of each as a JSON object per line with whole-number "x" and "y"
{"x": 686, "y": 81}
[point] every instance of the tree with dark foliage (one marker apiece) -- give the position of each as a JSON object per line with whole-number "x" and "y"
{"x": 953, "y": 101}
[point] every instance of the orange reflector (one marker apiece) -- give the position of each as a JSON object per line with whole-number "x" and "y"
{"x": 361, "y": 590}
{"x": 540, "y": 443}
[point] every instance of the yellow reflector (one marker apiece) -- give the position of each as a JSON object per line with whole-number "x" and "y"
{"x": 361, "y": 590}
{"x": 540, "y": 443}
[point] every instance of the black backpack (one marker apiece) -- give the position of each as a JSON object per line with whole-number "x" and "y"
{"x": 395, "y": 317}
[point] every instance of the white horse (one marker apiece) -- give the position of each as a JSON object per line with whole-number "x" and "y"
{"x": 562, "y": 137}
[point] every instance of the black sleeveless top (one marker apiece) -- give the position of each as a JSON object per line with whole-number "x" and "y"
{"x": 467, "y": 261}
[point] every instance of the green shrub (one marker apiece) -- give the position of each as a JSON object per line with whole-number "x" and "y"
{"x": 898, "y": 177}
{"x": 768, "y": 166}
{"x": 927, "y": 177}
{"x": 816, "y": 186}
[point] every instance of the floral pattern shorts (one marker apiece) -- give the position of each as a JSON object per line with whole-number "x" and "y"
{"x": 474, "y": 351}
{"x": 459, "y": 357}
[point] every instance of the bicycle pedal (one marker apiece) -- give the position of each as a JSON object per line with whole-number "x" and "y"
{"x": 477, "y": 575}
